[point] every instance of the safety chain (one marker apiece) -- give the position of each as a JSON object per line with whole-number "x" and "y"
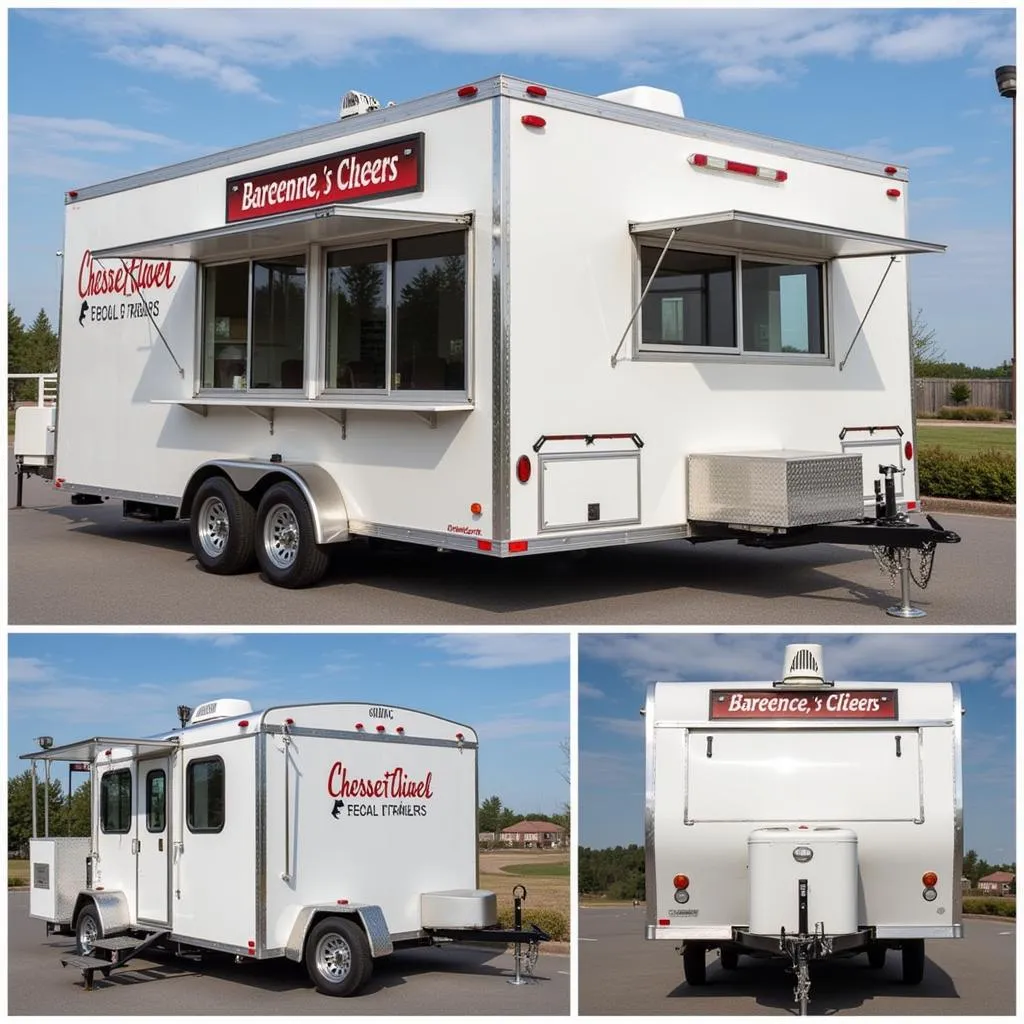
{"x": 530, "y": 958}
{"x": 888, "y": 559}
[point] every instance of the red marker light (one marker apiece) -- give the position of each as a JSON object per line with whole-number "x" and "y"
{"x": 536, "y": 90}
{"x": 681, "y": 882}
{"x": 476, "y": 508}
{"x": 523, "y": 469}
{"x": 908, "y": 451}
{"x": 484, "y": 545}
{"x": 892, "y": 193}
{"x": 891, "y": 170}
{"x": 467, "y": 90}
{"x": 289, "y": 721}
{"x": 928, "y": 879}
{"x": 400, "y": 730}
{"x": 380, "y": 728}
{"x": 663, "y": 920}
{"x": 459, "y": 736}
{"x": 359, "y": 725}
{"x": 533, "y": 121}
{"x": 73, "y": 194}
{"x": 243, "y": 724}
{"x": 517, "y": 545}
{"x": 342, "y": 903}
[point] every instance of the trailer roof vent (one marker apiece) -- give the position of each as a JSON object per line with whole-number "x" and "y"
{"x": 803, "y": 665}
{"x": 646, "y": 97}
{"x": 215, "y": 710}
{"x": 354, "y": 102}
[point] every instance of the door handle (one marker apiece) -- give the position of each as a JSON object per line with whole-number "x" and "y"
{"x": 160, "y": 845}
{"x": 136, "y": 846}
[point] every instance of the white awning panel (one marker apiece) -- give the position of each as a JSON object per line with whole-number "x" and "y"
{"x": 89, "y": 750}
{"x": 327, "y": 224}
{"x": 755, "y": 232}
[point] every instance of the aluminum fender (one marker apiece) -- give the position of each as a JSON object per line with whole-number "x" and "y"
{"x": 318, "y": 487}
{"x": 371, "y": 917}
{"x": 112, "y": 908}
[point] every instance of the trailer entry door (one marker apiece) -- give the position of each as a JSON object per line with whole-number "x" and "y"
{"x": 803, "y": 775}
{"x": 153, "y": 850}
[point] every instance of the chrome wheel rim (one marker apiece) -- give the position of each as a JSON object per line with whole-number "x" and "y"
{"x": 213, "y": 527}
{"x": 281, "y": 536}
{"x": 87, "y": 934}
{"x": 333, "y": 958}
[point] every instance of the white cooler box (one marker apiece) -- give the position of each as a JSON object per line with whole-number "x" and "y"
{"x": 458, "y": 908}
{"x": 828, "y": 861}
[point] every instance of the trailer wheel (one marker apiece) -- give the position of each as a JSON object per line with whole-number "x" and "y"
{"x": 913, "y": 961}
{"x": 876, "y": 955}
{"x": 87, "y": 931}
{"x": 338, "y": 957}
{"x": 221, "y": 525}
{"x": 729, "y": 958}
{"x": 695, "y": 969}
{"x": 285, "y": 539}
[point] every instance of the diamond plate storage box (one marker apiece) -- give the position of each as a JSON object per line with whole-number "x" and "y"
{"x": 58, "y": 876}
{"x": 780, "y": 488}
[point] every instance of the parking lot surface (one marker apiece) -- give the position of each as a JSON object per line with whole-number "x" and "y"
{"x": 449, "y": 980}
{"x": 85, "y": 565}
{"x": 621, "y": 972}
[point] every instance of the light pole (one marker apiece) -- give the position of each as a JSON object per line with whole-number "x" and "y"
{"x": 1006, "y": 83}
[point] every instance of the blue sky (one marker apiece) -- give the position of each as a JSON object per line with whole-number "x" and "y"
{"x": 97, "y": 94}
{"x": 513, "y": 689}
{"x": 614, "y": 671}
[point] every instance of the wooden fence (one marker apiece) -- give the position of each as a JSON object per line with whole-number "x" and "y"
{"x": 932, "y": 393}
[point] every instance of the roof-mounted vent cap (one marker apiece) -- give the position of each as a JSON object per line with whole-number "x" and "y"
{"x": 354, "y": 102}
{"x": 646, "y": 97}
{"x": 215, "y": 710}
{"x": 803, "y": 665}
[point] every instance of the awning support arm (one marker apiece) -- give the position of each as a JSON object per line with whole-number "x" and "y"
{"x": 145, "y": 305}
{"x": 860, "y": 326}
{"x": 643, "y": 295}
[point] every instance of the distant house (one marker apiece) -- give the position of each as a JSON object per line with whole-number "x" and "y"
{"x": 533, "y": 833}
{"x": 999, "y": 882}
{"x": 487, "y": 837}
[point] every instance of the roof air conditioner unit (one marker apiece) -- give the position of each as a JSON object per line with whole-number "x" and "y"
{"x": 803, "y": 665}
{"x": 357, "y": 103}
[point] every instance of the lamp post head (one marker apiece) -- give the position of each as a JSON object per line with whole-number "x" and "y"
{"x": 1006, "y": 80}
{"x": 45, "y": 742}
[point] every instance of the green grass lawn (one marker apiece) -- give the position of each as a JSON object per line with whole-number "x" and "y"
{"x": 17, "y": 872}
{"x": 968, "y": 440}
{"x": 538, "y": 870}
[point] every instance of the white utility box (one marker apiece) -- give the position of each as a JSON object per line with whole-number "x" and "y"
{"x": 779, "y": 858}
{"x": 58, "y": 867}
{"x": 34, "y": 434}
{"x": 459, "y": 908}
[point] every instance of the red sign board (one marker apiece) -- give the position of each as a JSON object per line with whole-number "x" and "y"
{"x": 385, "y": 169}
{"x": 796, "y": 704}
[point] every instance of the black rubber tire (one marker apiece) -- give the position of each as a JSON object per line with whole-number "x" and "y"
{"x": 232, "y": 551}
{"x": 286, "y": 548}
{"x": 349, "y": 941}
{"x": 729, "y": 958}
{"x": 876, "y": 956}
{"x": 88, "y": 921}
{"x": 695, "y": 969}
{"x": 913, "y": 961}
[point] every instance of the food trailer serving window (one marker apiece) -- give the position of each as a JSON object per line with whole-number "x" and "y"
{"x": 744, "y": 283}
{"x": 396, "y": 316}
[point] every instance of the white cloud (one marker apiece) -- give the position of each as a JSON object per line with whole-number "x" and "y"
{"x": 586, "y": 690}
{"x": 751, "y": 47}
{"x": 213, "y": 639}
{"x": 502, "y": 650}
{"x": 632, "y": 728}
{"x": 29, "y": 670}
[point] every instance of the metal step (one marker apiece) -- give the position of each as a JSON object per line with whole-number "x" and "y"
{"x": 94, "y": 963}
{"x": 117, "y": 942}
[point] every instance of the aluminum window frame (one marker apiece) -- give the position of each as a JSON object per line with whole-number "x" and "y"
{"x": 390, "y": 393}
{"x": 190, "y": 788}
{"x": 667, "y": 352}
{"x": 116, "y": 773}
{"x": 250, "y": 260}
{"x": 149, "y": 801}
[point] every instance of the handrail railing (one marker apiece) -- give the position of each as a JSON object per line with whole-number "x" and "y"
{"x": 46, "y": 386}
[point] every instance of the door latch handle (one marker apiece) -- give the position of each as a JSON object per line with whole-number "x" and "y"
{"x": 136, "y": 846}
{"x": 160, "y": 845}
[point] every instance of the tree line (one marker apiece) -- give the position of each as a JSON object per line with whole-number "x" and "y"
{"x": 493, "y": 816}
{"x": 31, "y": 349}
{"x": 69, "y": 813}
{"x": 930, "y": 360}
{"x": 619, "y": 872}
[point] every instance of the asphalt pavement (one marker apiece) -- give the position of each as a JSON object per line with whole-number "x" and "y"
{"x": 453, "y": 980}
{"x": 621, "y": 972}
{"x": 85, "y": 565}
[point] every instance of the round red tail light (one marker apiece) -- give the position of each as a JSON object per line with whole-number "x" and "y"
{"x": 523, "y": 468}
{"x": 681, "y": 882}
{"x": 928, "y": 879}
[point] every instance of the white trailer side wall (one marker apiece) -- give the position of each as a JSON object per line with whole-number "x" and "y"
{"x": 576, "y": 185}
{"x": 381, "y": 850}
{"x": 392, "y": 468}
{"x": 833, "y": 780}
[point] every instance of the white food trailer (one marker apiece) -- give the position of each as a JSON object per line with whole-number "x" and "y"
{"x": 803, "y": 818}
{"x": 504, "y": 319}
{"x": 330, "y": 834}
